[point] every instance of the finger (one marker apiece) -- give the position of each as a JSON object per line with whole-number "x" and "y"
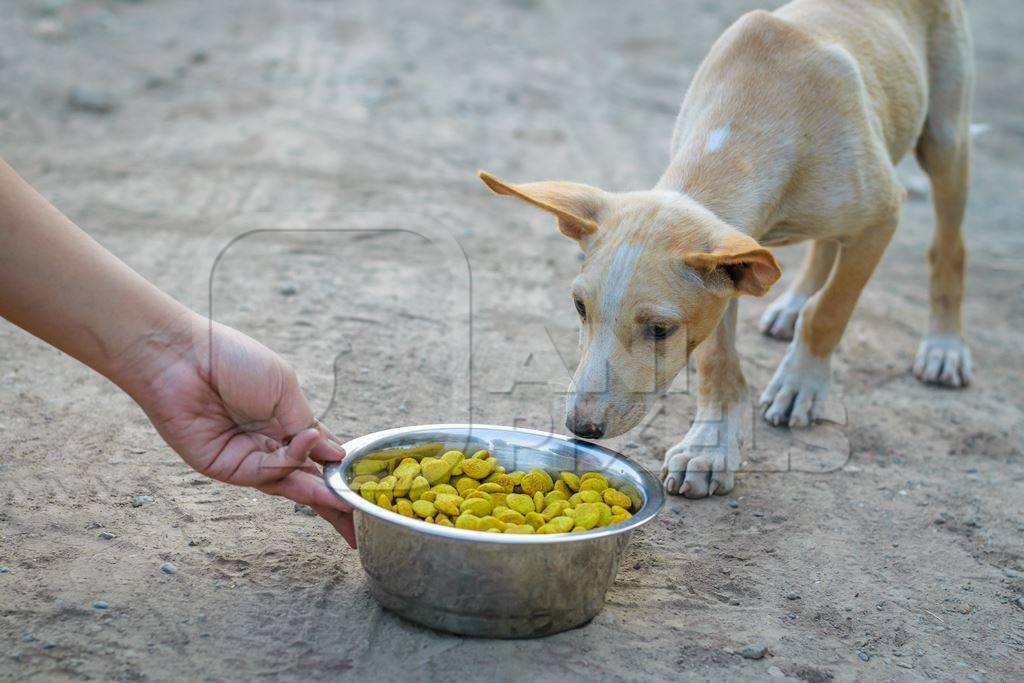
{"x": 341, "y": 521}
{"x": 307, "y": 489}
{"x": 294, "y": 456}
{"x": 325, "y": 450}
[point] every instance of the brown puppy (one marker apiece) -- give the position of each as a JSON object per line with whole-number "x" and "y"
{"x": 789, "y": 131}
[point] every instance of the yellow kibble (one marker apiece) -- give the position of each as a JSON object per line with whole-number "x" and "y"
{"x": 563, "y": 488}
{"x": 477, "y": 506}
{"x": 534, "y": 519}
{"x": 424, "y": 508}
{"x": 489, "y": 522}
{"x": 492, "y": 488}
{"x": 424, "y": 449}
{"x": 536, "y": 481}
{"x": 445, "y": 488}
{"x": 499, "y": 498}
{"x": 403, "y": 484}
{"x": 590, "y": 496}
{"x": 482, "y": 454}
{"x": 595, "y": 483}
{"x": 519, "y": 529}
{"x": 575, "y": 500}
{"x": 448, "y": 504}
{"x": 408, "y": 468}
{"x": 552, "y": 496}
{"x": 442, "y": 520}
{"x": 477, "y": 493}
{"x": 369, "y": 491}
{"x": 510, "y": 517}
{"x": 468, "y": 521}
{"x": 519, "y": 502}
{"x": 571, "y": 480}
{"x": 368, "y": 467}
{"x": 588, "y": 515}
{"x": 538, "y": 501}
{"x": 463, "y": 484}
{"x": 499, "y": 510}
{"x": 569, "y": 512}
{"x": 606, "y": 514}
{"x": 502, "y": 480}
{"x": 435, "y": 470}
{"x": 517, "y": 477}
{"x": 357, "y": 482}
{"x": 618, "y": 510}
{"x": 404, "y": 506}
{"x": 384, "y": 500}
{"x": 589, "y": 475}
{"x": 453, "y": 458}
{"x": 615, "y": 519}
{"x": 613, "y": 497}
{"x": 420, "y": 485}
{"x": 554, "y": 509}
{"x": 478, "y": 469}
{"x": 560, "y": 525}
{"x": 429, "y": 495}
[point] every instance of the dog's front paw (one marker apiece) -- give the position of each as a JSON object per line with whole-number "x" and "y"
{"x": 705, "y": 461}
{"x": 779, "y": 319}
{"x": 943, "y": 360}
{"x": 797, "y": 393}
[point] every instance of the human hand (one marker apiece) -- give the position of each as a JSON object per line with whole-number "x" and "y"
{"x": 234, "y": 411}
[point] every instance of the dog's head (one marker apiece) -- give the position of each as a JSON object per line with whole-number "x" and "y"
{"x": 658, "y": 274}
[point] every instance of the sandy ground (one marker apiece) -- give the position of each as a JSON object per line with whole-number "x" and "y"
{"x": 895, "y": 550}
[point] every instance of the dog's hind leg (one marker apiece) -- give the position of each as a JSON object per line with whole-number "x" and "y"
{"x": 943, "y": 150}
{"x": 779, "y": 319}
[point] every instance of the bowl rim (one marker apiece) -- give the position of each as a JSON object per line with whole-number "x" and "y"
{"x": 335, "y": 479}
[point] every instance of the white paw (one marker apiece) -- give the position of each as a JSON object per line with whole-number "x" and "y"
{"x": 779, "y": 319}
{"x": 797, "y": 393}
{"x": 704, "y": 463}
{"x": 944, "y": 360}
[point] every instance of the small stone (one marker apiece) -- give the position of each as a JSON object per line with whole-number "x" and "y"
{"x": 1019, "y": 602}
{"x": 755, "y": 650}
{"x": 759, "y": 514}
{"x": 4, "y": 570}
{"x": 288, "y": 290}
{"x": 904, "y": 665}
{"x": 107, "y": 536}
{"x": 775, "y": 672}
{"x": 863, "y": 656}
{"x": 733, "y": 504}
{"x": 200, "y": 57}
{"x": 139, "y": 501}
{"x": 304, "y": 510}
{"x": 168, "y": 568}
{"x": 27, "y": 637}
{"x": 100, "y": 604}
{"x": 88, "y": 99}
{"x": 792, "y": 596}
{"x": 93, "y": 525}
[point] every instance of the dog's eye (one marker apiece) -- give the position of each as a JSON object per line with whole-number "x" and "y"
{"x": 659, "y": 332}
{"x": 580, "y": 308}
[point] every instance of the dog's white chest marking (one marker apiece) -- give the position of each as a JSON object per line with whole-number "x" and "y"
{"x": 717, "y": 138}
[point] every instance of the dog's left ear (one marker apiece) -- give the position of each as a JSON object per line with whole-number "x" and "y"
{"x": 752, "y": 268}
{"x": 577, "y": 206}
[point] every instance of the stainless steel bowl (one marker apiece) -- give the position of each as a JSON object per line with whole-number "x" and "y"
{"x": 494, "y": 585}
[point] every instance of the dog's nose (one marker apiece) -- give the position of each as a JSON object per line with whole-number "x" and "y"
{"x": 586, "y": 430}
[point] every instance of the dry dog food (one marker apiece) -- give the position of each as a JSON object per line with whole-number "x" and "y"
{"x": 475, "y": 492}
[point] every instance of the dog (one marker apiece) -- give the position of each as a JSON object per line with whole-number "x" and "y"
{"x": 789, "y": 131}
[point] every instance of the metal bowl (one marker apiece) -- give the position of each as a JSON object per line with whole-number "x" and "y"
{"x": 485, "y": 584}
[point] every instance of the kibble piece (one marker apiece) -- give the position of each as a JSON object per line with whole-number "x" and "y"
{"x": 560, "y": 525}
{"x": 482, "y": 454}
{"x": 477, "y": 493}
{"x": 595, "y": 483}
{"x": 357, "y": 482}
{"x": 424, "y": 508}
{"x": 510, "y": 517}
{"x": 606, "y": 514}
{"x": 369, "y": 491}
{"x": 575, "y": 500}
{"x": 588, "y": 515}
{"x": 534, "y": 519}
{"x": 453, "y": 458}
{"x": 463, "y": 484}
{"x": 404, "y": 506}
{"x": 442, "y": 520}
{"x": 478, "y": 506}
{"x": 499, "y": 509}
{"x": 492, "y": 488}
{"x": 519, "y": 502}
{"x": 503, "y": 480}
{"x": 368, "y": 467}
{"x": 619, "y": 510}
{"x": 403, "y": 484}
{"x": 384, "y": 500}
{"x": 517, "y": 476}
{"x": 420, "y": 485}
{"x": 613, "y": 498}
{"x": 589, "y": 496}
{"x": 571, "y": 480}
{"x": 615, "y": 519}
{"x": 487, "y": 523}
{"x": 409, "y": 468}
{"x": 569, "y": 512}
{"x": 554, "y": 509}
{"x": 552, "y": 496}
{"x": 536, "y": 480}
{"x": 429, "y": 495}
{"x": 445, "y": 488}
{"x": 468, "y": 521}
{"x": 435, "y": 470}
{"x": 561, "y": 487}
{"x": 519, "y": 529}
{"x": 448, "y": 504}
{"x": 477, "y": 468}
{"x": 538, "y": 501}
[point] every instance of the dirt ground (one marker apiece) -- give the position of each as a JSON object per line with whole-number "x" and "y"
{"x": 895, "y": 550}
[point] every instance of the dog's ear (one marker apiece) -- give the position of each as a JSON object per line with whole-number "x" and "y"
{"x": 576, "y": 206}
{"x": 751, "y": 268}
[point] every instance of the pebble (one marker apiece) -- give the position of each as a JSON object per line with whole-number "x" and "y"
{"x": 88, "y": 99}
{"x": 864, "y": 656}
{"x": 304, "y": 510}
{"x": 1019, "y": 601}
{"x": 775, "y": 672}
{"x": 755, "y": 650}
{"x": 793, "y": 596}
{"x": 27, "y": 637}
{"x": 107, "y": 536}
{"x": 100, "y": 604}
{"x": 734, "y": 504}
{"x": 139, "y": 501}
{"x": 168, "y": 568}
{"x": 4, "y": 570}
{"x": 288, "y": 290}
{"x": 759, "y": 514}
